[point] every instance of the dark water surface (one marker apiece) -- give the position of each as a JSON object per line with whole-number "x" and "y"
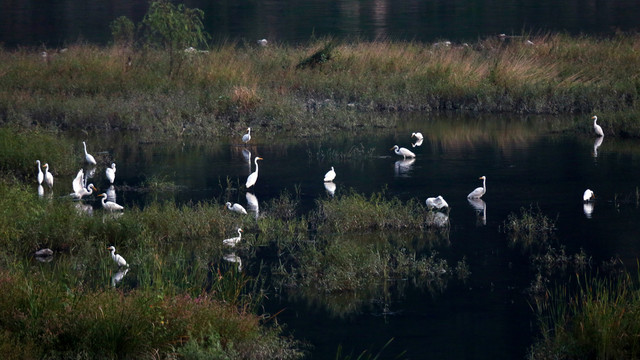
{"x": 487, "y": 315}
{"x": 56, "y": 23}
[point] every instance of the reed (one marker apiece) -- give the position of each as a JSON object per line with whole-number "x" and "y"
{"x": 355, "y": 83}
{"x": 599, "y": 321}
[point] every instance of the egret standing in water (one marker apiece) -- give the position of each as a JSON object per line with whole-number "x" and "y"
{"x": 48, "y": 177}
{"x": 246, "y": 137}
{"x": 253, "y": 177}
{"x": 478, "y": 192}
{"x": 40, "y": 174}
{"x": 116, "y": 257}
{"x": 109, "y": 205}
{"x": 405, "y": 153}
{"x": 88, "y": 157}
{"x": 234, "y": 240}
{"x": 111, "y": 173}
{"x": 330, "y": 175}
{"x": 236, "y": 208}
{"x": 588, "y": 195}
{"x": 597, "y": 127}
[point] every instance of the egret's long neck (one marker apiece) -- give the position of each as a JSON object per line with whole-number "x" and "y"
{"x": 484, "y": 184}
{"x": 594, "y": 121}
{"x": 38, "y": 162}
{"x": 256, "y": 162}
{"x": 85, "y": 147}
{"x": 239, "y": 234}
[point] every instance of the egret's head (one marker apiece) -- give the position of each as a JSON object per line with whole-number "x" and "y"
{"x": 482, "y": 177}
{"x": 594, "y": 117}
{"x": 111, "y": 248}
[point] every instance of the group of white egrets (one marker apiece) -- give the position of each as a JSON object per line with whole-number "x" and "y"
{"x": 437, "y": 202}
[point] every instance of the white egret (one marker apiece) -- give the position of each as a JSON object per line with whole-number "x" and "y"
{"x": 405, "y": 153}
{"x": 79, "y": 190}
{"x": 436, "y": 202}
{"x": 40, "y": 174}
{"x": 262, "y": 42}
{"x": 234, "y": 240}
{"x": 236, "y": 208}
{"x": 44, "y": 252}
{"x": 417, "y": 135}
{"x": 48, "y": 177}
{"x": 330, "y": 175}
{"x": 246, "y": 137}
{"x": 597, "y": 127}
{"x": 111, "y": 173}
{"x": 253, "y": 177}
{"x": 588, "y": 195}
{"x": 116, "y": 257}
{"x": 109, "y": 205}
{"x": 478, "y": 192}
{"x": 90, "y": 159}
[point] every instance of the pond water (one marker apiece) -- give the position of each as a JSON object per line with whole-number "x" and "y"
{"x": 484, "y": 316}
{"x": 57, "y": 23}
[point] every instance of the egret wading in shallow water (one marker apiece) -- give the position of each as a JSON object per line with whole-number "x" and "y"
{"x": 48, "y": 177}
{"x": 405, "y": 153}
{"x": 330, "y": 175}
{"x": 417, "y": 135}
{"x": 234, "y": 240}
{"x": 109, "y": 205}
{"x": 246, "y": 137}
{"x": 478, "y": 192}
{"x": 588, "y": 195}
{"x": 88, "y": 157}
{"x": 597, "y": 127}
{"x": 40, "y": 173}
{"x": 111, "y": 173}
{"x": 436, "y": 202}
{"x": 236, "y": 208}
{"x": 116, "y": 257}
{"x": 253, "y": 177}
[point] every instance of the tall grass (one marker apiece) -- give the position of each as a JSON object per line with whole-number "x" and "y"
{"x": 600, "y": 321}
{"x": 91, "y": 88}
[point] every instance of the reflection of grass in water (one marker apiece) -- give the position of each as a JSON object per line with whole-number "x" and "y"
{"x": 355, "y": 152}
{"x": 599, "y": 321}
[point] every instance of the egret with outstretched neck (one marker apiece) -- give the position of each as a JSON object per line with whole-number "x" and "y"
{"x": 253, "y": 177}
{"x": 478, "y": 192}
{"x": 90, "y": 159}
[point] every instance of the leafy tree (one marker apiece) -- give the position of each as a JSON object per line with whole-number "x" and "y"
{"x": 122, "y": 31}
{"x": 174, "y": 28}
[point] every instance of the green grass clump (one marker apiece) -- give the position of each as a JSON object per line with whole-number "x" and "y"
{"x": 41, "y": 319}
{"x": 355, "y": 212}
{"x": 530, "y": 228}
{"x": 600, "y": 321}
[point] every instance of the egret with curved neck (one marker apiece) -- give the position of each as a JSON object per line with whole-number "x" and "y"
{"x": 234, "y": 240}
{"x": 478, "y": 192}
{"x": 48, "y": 177}
{"x": 109, "y": 205}
{"x": 405, "y": 153}
{"x": 116, "y": 257}
{"x": 90, "y": 159}
{"x": 597, "y": 127}
{"x": 253, "y": 177}
{"x": 40, "y": 174}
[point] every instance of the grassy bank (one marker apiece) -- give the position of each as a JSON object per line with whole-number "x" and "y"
{"x": 280, "y": 88}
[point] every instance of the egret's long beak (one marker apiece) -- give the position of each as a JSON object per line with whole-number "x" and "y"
{"x": 391, "y": 148}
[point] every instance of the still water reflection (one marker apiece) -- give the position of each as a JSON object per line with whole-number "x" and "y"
{"x": 483, "y": 315}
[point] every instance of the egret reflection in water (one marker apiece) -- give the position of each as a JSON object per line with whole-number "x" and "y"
{"x": 232, "y": 257}
{"x": 40, "y": 190}
{"x": 403, "y": 167}
{"x": 330, "y": 186}
{"x": 596, "y": 144}
{"x": 417, "y": 143}
{"x": 111, "y": 194}
{"x": 588, "y": 207}
{"x": 118, "y": 276}
{"x": 84, "y": 209}
{"x": 252, "y": 203}
{"x": 480, "y": 208}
